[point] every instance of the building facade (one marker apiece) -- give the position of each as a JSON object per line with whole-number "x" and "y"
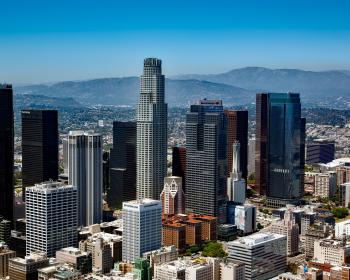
{"x": 39, "y": 147}
{"x": 85, "y": 172}
{"x": 122, "y": 164}
{"x": 152, "y": 119}
{"x": 206, "y": 159}
{"x": 51, "y": 213}
{"x": 280, "y": 145}
{"x": 5, "y": 255}
{"x": 172, "y": 196}
{"x": 179, "y": 164}
{"x": 6, "y": 152}
{"x": 142, "y": 227}
{"x": 237, "y": 131}
{"x": 325, "y": 184}
{"x": 344, "y": 194}
{"x": 264, "y": 255}
{"x": 27, "y": 268}
{"x": 320, "y": 151}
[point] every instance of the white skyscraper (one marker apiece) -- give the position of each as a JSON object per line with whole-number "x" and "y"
{"x": 152, "y": 114}
{"x": 235, "y": 183}
{"x": 142, "y": 227}
{"x": 52, "y": 220}
{"x": 85, "y": 172}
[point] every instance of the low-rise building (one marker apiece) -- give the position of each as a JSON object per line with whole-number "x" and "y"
{"x": 81, "y": 261}
{"x": 5, "y": 255}
{"x": 27, "y": 268}
{"x": 332, "y": 251}
{"x": 315, "y": 232}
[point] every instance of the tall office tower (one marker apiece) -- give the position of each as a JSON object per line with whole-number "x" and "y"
{"x": 320, "y": 151}
{"x": 263, "y": 254}
{"x": 65, "y": 155}
{"x": 51, "y": 213}
{"x": 142, "y": 227}
{"x": 122, "y": 164}
{"x": 85, "y": 172}
{"x": 179, "y": 164}
{"x": 237, "y": 130}
{"x": 280, "y": 135}
{"x": 206, "y": 159}
{"x": 39, "y": 147}
{"x": 105, "y": 170}
{"x": 261, "y": 143}
{"x": 251, "y": 156}
{"x": 173, "y": 196}
{"x": 152, "y": 119}
{"x": 235, "y": 183}
{"x": 6, "y": 152}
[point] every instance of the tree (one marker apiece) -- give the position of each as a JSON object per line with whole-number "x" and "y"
{"x": 340, "y": 212}
{"x": 214, "y": 249}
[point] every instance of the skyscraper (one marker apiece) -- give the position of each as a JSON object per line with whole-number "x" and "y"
{"x": 206, "y": 159}
{"x": 173, "y": 196}
{"x": 237, "y": 130}
{"x": 179, "y": 164}
{"x": 152, "y": 114}
{"x": 320, "y": 151}
{"x": 52, "y": 220}
{"x": 142, "y": 227}
{"x": 280, "y": 147}
{"x": 236, "y": 185}
{"x": 6, "y": 152}
{"x": 39, "y": 147}
{"x": 85, "y": 172}
{"x": 122, "y": 164}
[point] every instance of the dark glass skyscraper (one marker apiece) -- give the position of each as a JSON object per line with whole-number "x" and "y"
{"x": 320, "y": 151}
{"x": 39, "y": 146}
{"x": 6, "y": 152}
{"x": 179, "y": 164}
{"x": 206, "y": 159}
{"x": 237, "y": 130}
{"x": 122, "y": 164}
{"x": 285, "y": 140}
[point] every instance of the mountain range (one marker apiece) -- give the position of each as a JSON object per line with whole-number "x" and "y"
{"x": 235, "y": 87}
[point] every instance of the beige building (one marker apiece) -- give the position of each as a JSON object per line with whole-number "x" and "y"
{"x": 163, "y": 255}
{"x": 344, "y": 194}
{"x": 200, "y": 271}
{"x": 5, "y": 255}
{"x": 232, "y": 271}
{"x": 170, "y": 270}
{"x": 82, "y": 261}
{"x": 332, "y": 251}
{"x": 313, "y": 233}
{"x": 27, "y": 268}
{"x": 325, "y": 184}
{"x": 173, "y": 196}
{"x": 289, "y": 228}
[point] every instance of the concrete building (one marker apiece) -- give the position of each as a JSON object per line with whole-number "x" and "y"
{"x": 232, "y": 271}
{"x": 315, "y": 232}
{"x": 343, "y": 174}
{"x": 236, "y": 185}
{"x": 344, "y": 194}
{"x": 200, "y": 271}
{"x": 172, "y": 196}
{"x": 27, "y": 268}
{"x": 320, "y": 151}
{"x": 170, "y": 270}
{"x": 332, "y": 251}
{"x": 206, "y": 159}
{"x": 289, "y": 228}
{"x": 263, "y": 254}
{"x": 342, "y": 229}
{"x": 163, "y": 255}
{"x": 51, "y": 214}
{"x": 105, "y": 249}
{"x": 251, "y": 156}
{"x": 152, "y": 120}
{"x": 81, "y": 261}
{"x": 142, "y": 227}
{"x": 307, "y": 220}
{"x": 245, "y": 218}
{"x": 325, "y": 184}
{"x": 85, "y": 172}
{"x": 5, "y": 255}
{"x": 5, "y": 230}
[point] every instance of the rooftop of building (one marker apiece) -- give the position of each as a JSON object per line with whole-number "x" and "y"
{"x": 33, "y": 257}
{"x": 49, "y": 186}
{"x": 256, "y": 239}
{"x": 144, "y": 201}
{"x": 337, "y": 162}
{"x": 72, "y": 251}
{"x": 82, "y": 132}
{"x": 107, "y": 237}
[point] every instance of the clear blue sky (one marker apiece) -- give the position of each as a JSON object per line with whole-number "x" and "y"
{"x": 56, "y": 40}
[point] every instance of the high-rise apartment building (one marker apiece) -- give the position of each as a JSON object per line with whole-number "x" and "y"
{"x": 172, "y": 196}
{"x": 344, "y": 194}
{"x": 237, "y": 130}
{"x": 263, "y": 254}
{"x": 320, "y": 151}
{"x": 206, "y": 159}
{"x": 179, "y": 164}
{"x": 236, "y": 185}
{"x": 6, "y": 152}
{"x": 245, "y": 218}
{"x": 152, "y": 119}
{"x": 122, "y": 164}
{"x": 39, "y": 147}
{"x": 325, "y": 184}
{"x": 280, "y": 144}
{"x": 85, "y": 172}
{"x": 142, "y": 227}
{"x": 51, "y": 213}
